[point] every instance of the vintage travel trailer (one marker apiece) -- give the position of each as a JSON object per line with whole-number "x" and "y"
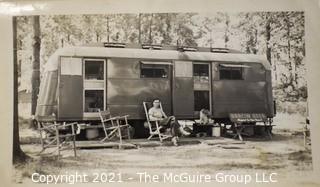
{"x": 78, "y": 81}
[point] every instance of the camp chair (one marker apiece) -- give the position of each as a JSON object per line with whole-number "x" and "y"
{"x": 56, "y": 135}
{"x": 112, "y": 125}
{"x": 154, "y": 128}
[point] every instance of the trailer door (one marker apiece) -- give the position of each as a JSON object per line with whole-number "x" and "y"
{"x": 202, "y": 87}
{"x": 183, "y": 101}
{"x": 94, "y": 87}
{"x": 70, "y": 89}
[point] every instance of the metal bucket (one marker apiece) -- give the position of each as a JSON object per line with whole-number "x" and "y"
{"x": 92, "y": 133}
{"x": 216, "y": 131}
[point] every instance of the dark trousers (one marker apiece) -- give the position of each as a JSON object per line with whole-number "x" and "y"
{"x": 171, "y": 123}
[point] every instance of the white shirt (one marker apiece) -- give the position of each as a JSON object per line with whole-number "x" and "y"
{"x": 156, "y": 114}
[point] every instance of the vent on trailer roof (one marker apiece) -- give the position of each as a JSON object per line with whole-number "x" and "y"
{"x": 220, "y": 50}
{"x": 114, "y": 45}
{"x": 151, "y": 46}
{"x": 187, "y": 49}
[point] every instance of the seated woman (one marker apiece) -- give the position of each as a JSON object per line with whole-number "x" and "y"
{"x": 156, "y": 114}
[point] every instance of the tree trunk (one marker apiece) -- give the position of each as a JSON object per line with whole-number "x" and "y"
{"x": 167, "y": 39}
{"x": 36, "y": 63}
{"x": 291, "y": 62}
{"x": 276, "y": 74}
{"x": 139, "y": 29}
{"x": 255, "y": 48}
{"x": 97, "y": 37}
{"x": 226, "y": 33}
{"x": 150, "y": 29}
{"x": 17, "y": 154}
{"x": 62, "y": 42}
{"x": 108, "y": 29}
{"x": 268, "y": 37}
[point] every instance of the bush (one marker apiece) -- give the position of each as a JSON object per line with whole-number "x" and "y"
{"x": 299, "y": 107}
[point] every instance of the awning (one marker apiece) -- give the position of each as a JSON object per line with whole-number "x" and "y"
{"x": 235, "y": 65}
{"x": 156, "y": 62}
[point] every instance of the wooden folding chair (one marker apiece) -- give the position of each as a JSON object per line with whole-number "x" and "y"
{"x": 113, "y": 125}
{"x": 57, "y": 135}
{"x": 239, "y": 130}
{"x": 154, "y": 128}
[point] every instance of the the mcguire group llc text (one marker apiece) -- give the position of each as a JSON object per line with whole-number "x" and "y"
{"x": 145, "y": 177}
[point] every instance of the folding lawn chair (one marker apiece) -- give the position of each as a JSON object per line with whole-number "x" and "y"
{"x": 113, "y": 125}
{"x": 154, "y": 128}
{"x": 53, "y": 134}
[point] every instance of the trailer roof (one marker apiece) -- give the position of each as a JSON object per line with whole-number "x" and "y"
{"x": 146, "y": 54}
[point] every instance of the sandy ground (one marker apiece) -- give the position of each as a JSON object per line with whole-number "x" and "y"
{"x": 285, "y": 155}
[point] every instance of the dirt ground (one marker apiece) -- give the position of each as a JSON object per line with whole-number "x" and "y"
{"x": 285, "y": 154}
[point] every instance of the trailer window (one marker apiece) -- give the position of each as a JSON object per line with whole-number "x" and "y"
{"x": 94, "y": 70}
{"x": 230, "y": 73}
{"x": 201, "y": 72}
{"x": 201, "y": 100}
{"x": 154, "y": 71}
{"x": 93, "y": 100}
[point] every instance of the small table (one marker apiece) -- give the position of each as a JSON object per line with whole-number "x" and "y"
{"x": 201, "y": 128}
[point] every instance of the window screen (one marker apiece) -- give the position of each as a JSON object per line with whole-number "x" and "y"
{"x": 201, "y": 100}
{"x": 93, "y": 100}
{"x": 154, "y": 71}
{"x": 230, "y": 73}
{"x": 201, "y": 72}
{"x": 94, "y": 70}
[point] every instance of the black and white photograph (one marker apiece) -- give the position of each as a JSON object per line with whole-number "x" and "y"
{"x": 214, "y": 98}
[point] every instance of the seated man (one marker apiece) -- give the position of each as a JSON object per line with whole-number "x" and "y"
{"x": 156, "y": 114}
